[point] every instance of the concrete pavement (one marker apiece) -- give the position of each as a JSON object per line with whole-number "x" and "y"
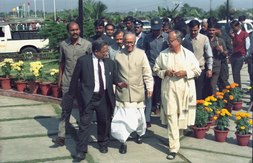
{"x": 27, "y": 127}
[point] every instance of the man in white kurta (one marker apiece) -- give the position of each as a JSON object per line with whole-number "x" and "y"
{"x": 134, "y": 70}
{"x": 177, "y": 67}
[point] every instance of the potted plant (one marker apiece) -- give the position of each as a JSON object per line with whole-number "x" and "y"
{"x": 200, "y": 126}
{"x": 222, "y": 123}
{"x": 235, "y": 95}
{"x": 36, "y": 70}
{"x": 55, "y": 88}
{"x": 228, "y": 98}
{"x": 243, "y": 123}
{"x": 6, "y": 70}
{"x": 19, "y": 68}
{"x": 212, "y": 105}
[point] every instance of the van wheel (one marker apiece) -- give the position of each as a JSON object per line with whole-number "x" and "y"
{"x": 29, "y": 50}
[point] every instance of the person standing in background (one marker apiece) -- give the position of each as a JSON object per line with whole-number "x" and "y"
{"x": 203, "y": 52}
{"x": 109, "y": 30}
{"x": 154, "y": 43}
{"x": 241, "y": 43}
{"x": 138, "y": 25}
{"x": 116, "y": 48}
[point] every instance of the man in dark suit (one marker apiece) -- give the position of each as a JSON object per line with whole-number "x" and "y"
{"x": 97, "y": 75}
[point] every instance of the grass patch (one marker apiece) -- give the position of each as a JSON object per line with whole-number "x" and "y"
{"x": 27, "y": 136}
{"x": 22, "y": 105}
{"x": 43, "y": 160}
{"x": 57, "y": 109}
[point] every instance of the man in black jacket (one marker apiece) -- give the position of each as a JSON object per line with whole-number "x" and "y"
{"x": 96, "y": 74}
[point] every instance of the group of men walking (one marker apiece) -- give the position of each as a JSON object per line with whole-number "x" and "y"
{"x": 124, "y": 74}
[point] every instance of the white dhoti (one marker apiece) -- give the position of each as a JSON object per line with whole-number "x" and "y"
{"x": 127, "y": 119}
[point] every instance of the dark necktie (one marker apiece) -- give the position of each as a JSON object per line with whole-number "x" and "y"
{"x": 101, "y": 83}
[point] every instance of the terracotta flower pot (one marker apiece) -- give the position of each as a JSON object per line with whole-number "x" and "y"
{"x": 220, "y": 136}
{"x": 33, "y": 86}
{"x": 5, "y": 83}
{"x": 21, "y": 85}
{"x": 45, "y": 87}
{"x": 237, "y": 105}
{"x": 199, "y": 132}
{"x": 55, "y": 90}
{"x": 243, "y": 140}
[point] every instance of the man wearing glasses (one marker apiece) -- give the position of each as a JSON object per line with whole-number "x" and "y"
{"x": 134, "y": 70}
{"x": 138, "y": 25}
{"x": 177, "y": 67}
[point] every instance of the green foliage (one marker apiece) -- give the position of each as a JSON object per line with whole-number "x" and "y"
{"x": 201, "y": 116}
{"x": 88, "y": 28}
{"x": 243, "y": 123}
{"x": 55, "y": 32}
{"x": 222, "y": 119}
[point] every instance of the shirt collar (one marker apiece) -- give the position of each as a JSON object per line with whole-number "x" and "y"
{"x": 239, "y": 32}
{"x": 78, "y": 41}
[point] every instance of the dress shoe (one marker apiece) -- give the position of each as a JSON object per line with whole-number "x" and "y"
{"x": 157, "y": 111}
{"x": 138, "y": 139}
{"x": 103, "y": 149}
{"x": 59, "y": 140}
{"x": 123, "y": 148}
{"x": 148, "y": 124}
{"x": 80, "y": 156}
{"x": 171, "y": 156}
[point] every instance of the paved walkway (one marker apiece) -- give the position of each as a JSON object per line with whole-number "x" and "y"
{"x": 27, "y": 127}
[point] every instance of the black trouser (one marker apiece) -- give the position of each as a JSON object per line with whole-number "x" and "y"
{"x": 237, "y": 63}
{"x": 67, "y": 106}
{"x": 103, "y": 112}
{"x": 156, "y": 97}
{"x": 199, "y": 83}
{"x": 224, "y": 74}
{"x": 250, "y": 71}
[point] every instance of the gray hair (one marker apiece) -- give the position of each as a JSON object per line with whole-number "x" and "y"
{"x": 179, "y": 35}
{"x": 129, "y": 33}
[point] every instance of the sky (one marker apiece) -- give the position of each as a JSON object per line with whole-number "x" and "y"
{"x": 124, "y": 5}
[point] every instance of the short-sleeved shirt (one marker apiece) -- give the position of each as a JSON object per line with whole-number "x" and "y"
{"x": 69, "y": 54}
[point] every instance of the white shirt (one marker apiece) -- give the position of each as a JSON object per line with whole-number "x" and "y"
{"x": 96, "y": 78}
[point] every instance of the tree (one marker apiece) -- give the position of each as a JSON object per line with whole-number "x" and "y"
{"x": 55, "y": 32}
{"x": 92, "y": 11}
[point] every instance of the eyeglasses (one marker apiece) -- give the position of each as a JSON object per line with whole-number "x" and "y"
{"x": 129, "y": 43}
{"x": 171, "y": 41}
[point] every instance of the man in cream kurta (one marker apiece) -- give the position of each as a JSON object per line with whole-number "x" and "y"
{"x": 134, "y": 70}
{"x": 177, "y": 67}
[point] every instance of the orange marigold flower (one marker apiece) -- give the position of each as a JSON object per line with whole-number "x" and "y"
{"x": 215, "y": 118}
{"x": 231, "y": 97}
{"x": 228, "y": 86}
{"x": 200, "y": 101}
{"x": 225, "y": 101}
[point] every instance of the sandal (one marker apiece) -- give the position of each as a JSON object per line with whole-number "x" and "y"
{"x": 171, "y": 156}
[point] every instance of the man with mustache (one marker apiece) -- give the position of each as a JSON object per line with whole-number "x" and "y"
{"x": 70, "y": 50}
